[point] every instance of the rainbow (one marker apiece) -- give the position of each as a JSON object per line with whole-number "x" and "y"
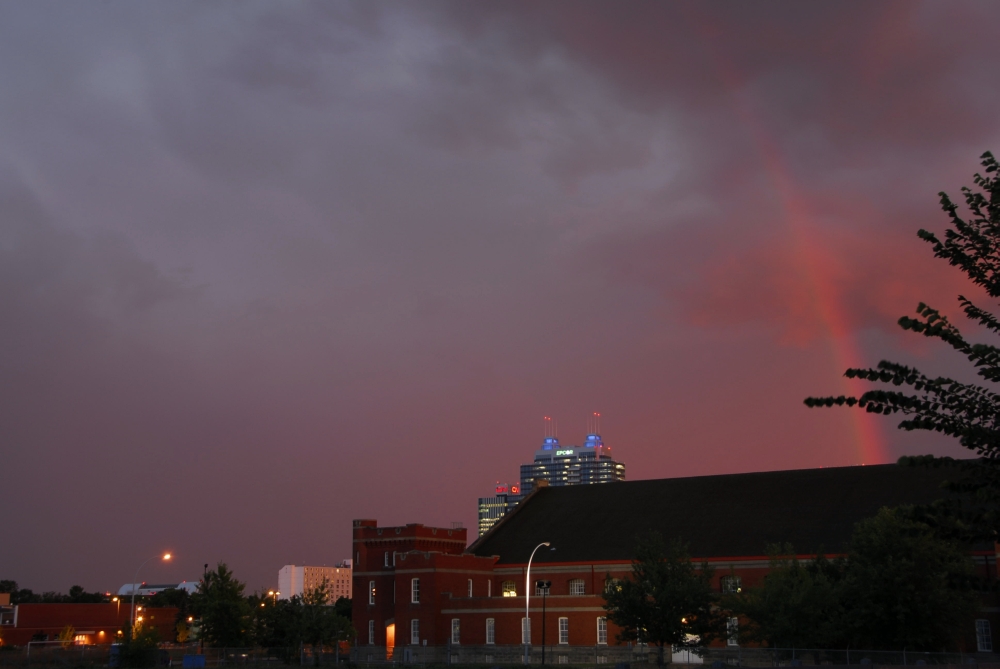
{"x": 869, "y": 441}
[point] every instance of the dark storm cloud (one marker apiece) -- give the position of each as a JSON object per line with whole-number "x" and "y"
{"x": 267, "y": 268}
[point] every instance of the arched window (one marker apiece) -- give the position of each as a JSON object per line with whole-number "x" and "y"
{"x": 509, "y": 589}
{"x": 576, "y": 587}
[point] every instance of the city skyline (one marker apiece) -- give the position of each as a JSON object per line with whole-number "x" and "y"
{"x": 271, "y": 268}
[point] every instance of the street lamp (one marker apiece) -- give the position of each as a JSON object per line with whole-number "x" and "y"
{"x": 165, "y": 557}
{"x": 526, "y": 631}
{"x": 544, "y": 587}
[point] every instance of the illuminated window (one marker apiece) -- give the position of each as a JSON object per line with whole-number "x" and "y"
{"x": 733, "y": 632}
{"x": 602, "y": 631}
{"x": 576, "y": 587}
{"x": 371, "y": 592}
{"x": 984, "y": 638}
{"x": 731, "y": 584}
{"x": 491, "y": 631}
{"x": 564, "y": 630}
{"x": 525, "y": 630}
{"x": 415, "y": 591}
{"x": 456, "y": 628}
{"x": 470, "y": 587}
{"x": 371, "y": 632}
{"x": 415, "y": 632}
{"x": 509, "y": 589}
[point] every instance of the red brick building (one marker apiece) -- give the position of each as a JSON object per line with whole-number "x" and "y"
{"x": 420, "y": 595}
{"x": 92, "y": 623}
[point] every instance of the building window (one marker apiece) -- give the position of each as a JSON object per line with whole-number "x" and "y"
{"x": 470, "y": 587}
{"x": 563, "y": 659}
{"x": 731, "y": 584}
{"x": 509, "y": 589}
{"x": 415, "y": 591}
{"x": 984, "y": 639}
{"x": 371, "y": 592}
{"x": 489, "y": 588}
{"x": 371, "y": 632}
{"x": 491, "y": 631}
{"x": 564, "y": 630}
{"x": 386, "y": 561}
{"x": 394, "y": 558}
{"x": 525, "y": 630}
{"x": 456, "y": 628}
{"x": 602, "y": 659}
{"x": 576, "y": 587}
{"x": 733, "y": 632}
{"x": 602, "y": 631}
{"x": 415, "y": 632}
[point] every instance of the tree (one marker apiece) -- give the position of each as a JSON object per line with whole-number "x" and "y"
{"x": 222, "y": 608}
{"x": 667, "y": 601}
{"x": 66, "y": 636}
{"x": 966, "y": 411}
{"x": 904, "y": 586}
{"x": 344, "y": 607}
{"x": 179, "y": 599}
{"x": 796, "y": 606}
{"x": 900, "y": 586}
{"x": 138, "y": 647}
{"x": 302, "y": 620}
{"x": 321, "y": 625}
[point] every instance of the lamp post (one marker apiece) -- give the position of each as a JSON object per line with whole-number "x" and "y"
{"x": 526, "y": 631}
{"x": 165, "y": 557}
{"x": 544, "y": 587}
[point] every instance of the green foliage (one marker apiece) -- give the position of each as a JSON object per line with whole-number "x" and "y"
{"x": 905, "y": 587}
{"x": 222, "y": 608}
{"x": 178, "y": 599}
{"x": 344, "y": 607}
{"x": 797, "y": 605}
{"x": 966, "y": 411}
{"x": 667, "y": 601}
{"x": 66, "y": 635}
{"x": 901, "y": 586}
{"x": 138, "y": 650}
{"x": 307, "y": 620}
{"x": 77, "y": 595}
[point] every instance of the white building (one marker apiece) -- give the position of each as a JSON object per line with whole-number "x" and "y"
{"x": 294, "y": 580}
{"x": 149, "y": 589}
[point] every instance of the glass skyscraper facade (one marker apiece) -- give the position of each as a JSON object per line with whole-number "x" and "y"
{"x": 559, "y": 465}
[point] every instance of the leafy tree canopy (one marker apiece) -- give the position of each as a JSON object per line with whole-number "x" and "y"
{"x": 222, "y": 608}
{"x": 967, "y": 411}
{"x": 667, "y": 601}
{"x": 900, "y": 586}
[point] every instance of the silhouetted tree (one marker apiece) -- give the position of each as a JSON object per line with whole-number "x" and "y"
{"x": 900, "y": 586}
{"x": 223, "y": 610}
{"x": 667, "y": 601}
{"x": 904, "y": 586}
{"x": 967, "y": 411}
{"x": 796, "y": 606}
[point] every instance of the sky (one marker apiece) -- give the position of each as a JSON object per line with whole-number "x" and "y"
{"x": 266, "y": 268}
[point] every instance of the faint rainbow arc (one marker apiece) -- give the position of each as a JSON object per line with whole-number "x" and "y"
{"x": 869, "y": 441}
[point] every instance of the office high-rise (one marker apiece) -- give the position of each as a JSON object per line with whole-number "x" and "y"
{"x": 559, "y": 465}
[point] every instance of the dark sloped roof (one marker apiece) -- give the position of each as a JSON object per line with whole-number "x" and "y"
{"x": 735, "y": 515}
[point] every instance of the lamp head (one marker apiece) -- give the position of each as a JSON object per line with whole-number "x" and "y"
{"x": 167, "y": 556}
